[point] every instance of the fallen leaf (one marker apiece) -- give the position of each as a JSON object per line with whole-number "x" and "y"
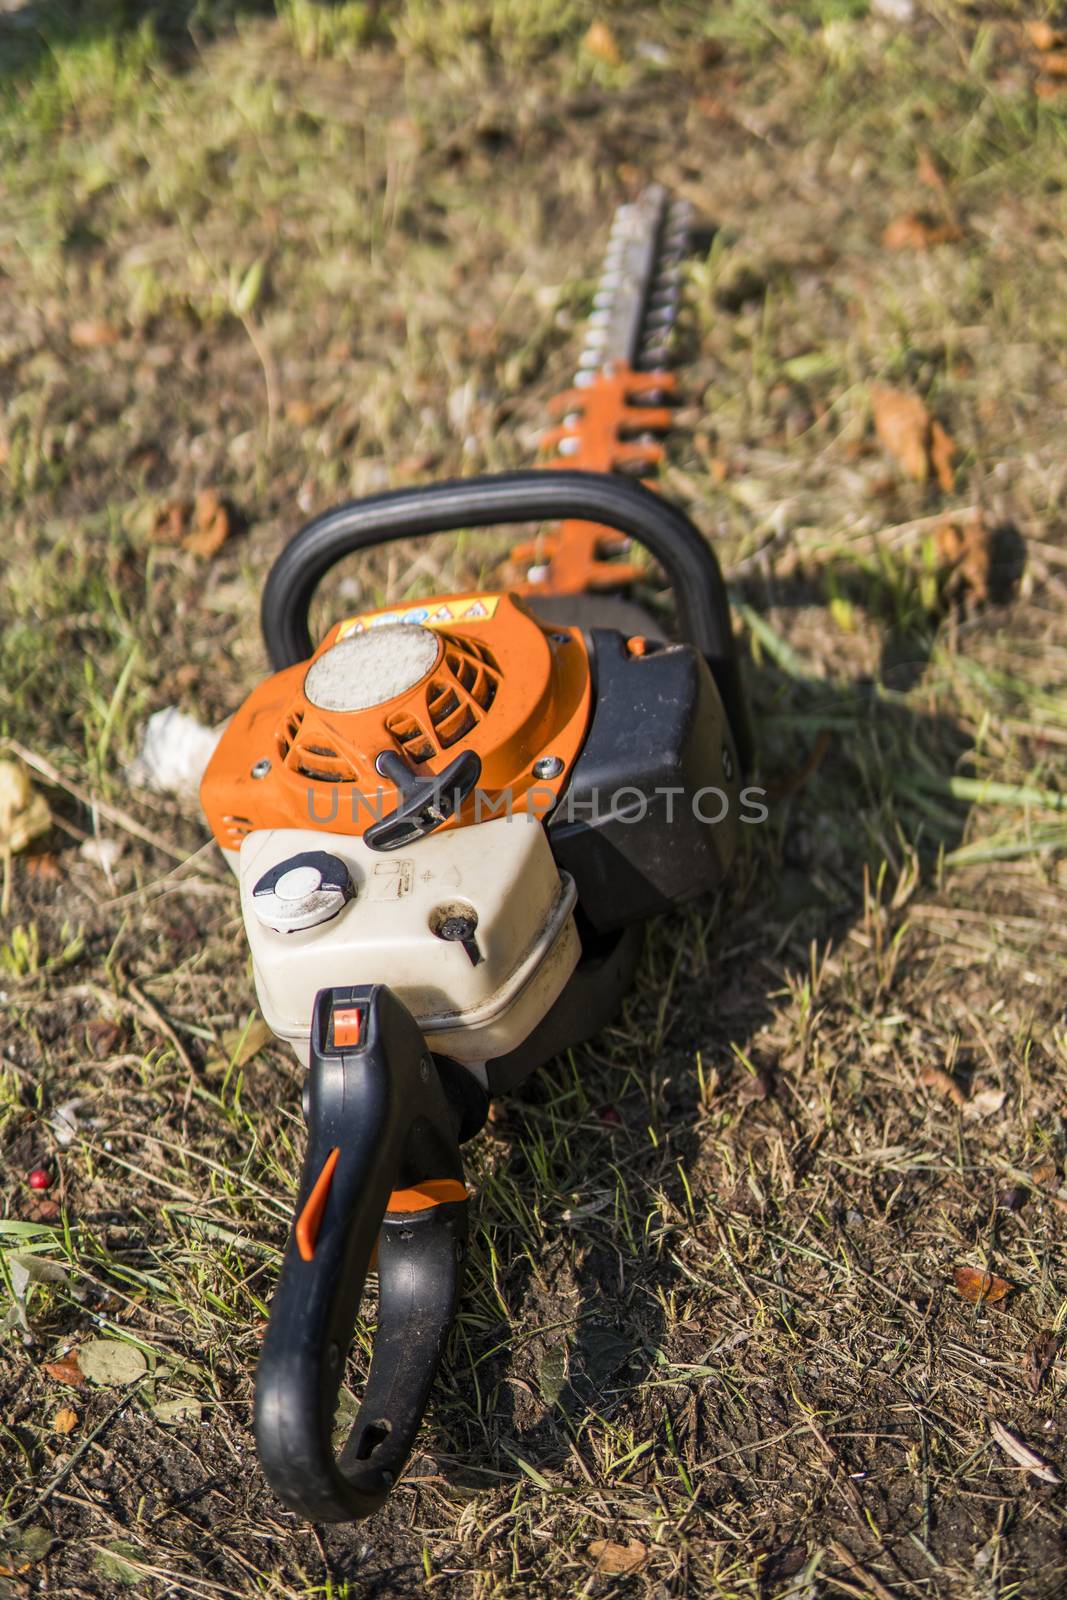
{"x": 1021, "y": 1452}
{"x": 211, "y": 525}
{"x": 618, "y": 1559}
{"x": 1055, "y": 63}
{"x": 65, "y": 1420}
{"x": 944, "y": 1083}
{"x": 928, "y": 172}
{"x": 1041, "y": 1352}
{"x": 902, "y": 424}
{"x": 45, "y": 868}
{"x": 942, "y": 455}
{"x": 1050, "y": 88}
{"x": 1044, "y": 1172}
{"x": 112, "y": 1362}
{"x": 1043, "y": 36}
{"x": 184, "y": 1408}
{"x": 599, "y": 41}
{"x": 65, "y": 1370}
{"x": 986, "y": 1103}
{"x": 113, "y": 1561}
{"x": 24, "y": 814}
{"x": 239, "y": 1045}
{"x": 916, "y": 231}
{"x": 102, "y": 1037}
{"x": 92, "y": 333}
{"x": 756, "y": 1086}
{"x": 168, "y": 522}
{"x": 980, "y": 1288}
{"x": 967, "y": 553}
{"x": 301, "y": 413}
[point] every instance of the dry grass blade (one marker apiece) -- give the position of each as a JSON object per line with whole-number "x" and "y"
{"x": 1021, "y": 1453}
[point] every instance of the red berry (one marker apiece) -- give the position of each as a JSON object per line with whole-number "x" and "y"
{"x": 40, "y": 1179}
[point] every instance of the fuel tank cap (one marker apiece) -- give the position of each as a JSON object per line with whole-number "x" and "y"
{"x": 302, "y": 891}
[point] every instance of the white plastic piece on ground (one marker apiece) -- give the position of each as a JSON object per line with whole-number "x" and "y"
{"x": 501, "y": 871}
{"x": 102, "y": 853}
{"x": 175, "y": 751}
{"x": 368, "y": 669}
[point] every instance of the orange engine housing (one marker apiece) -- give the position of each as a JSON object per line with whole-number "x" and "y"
{"x": 501, "y": 683}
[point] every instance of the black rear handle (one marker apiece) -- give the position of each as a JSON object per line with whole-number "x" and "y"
{"x": 687, "y": 559}
{"x": 382, "y": 1167}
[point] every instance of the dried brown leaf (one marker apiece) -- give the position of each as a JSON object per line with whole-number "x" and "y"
{"x": 944, "y": 1083}
{"x": 24, "y": 814}
{"x": 916, "y": 231}
{"x": 928, "y": 172}
{"x": 1041, "y": 1352}
{"x": 92, "y": 333}
{"x": 618, "y": 1559}
{"x": 942, "y": 455}
{"x": 968, "y": 553}
{"x": 1043, "y": 36}
{"x": 902, "y": 424}
{"x": 1055, "y": 63}
{"x": 980, "y": 1288}
{"x": 65, "y": 1370}
{"x": 986, "y": 1103}
{"x": 211, "y": 525}
{"x": 1044, "y": 1172}
{"x": 44, "y": 867}
{"x": 168, "y": 523}
{"x": 65, "y": 1420}
{"x": 599, "y": 41}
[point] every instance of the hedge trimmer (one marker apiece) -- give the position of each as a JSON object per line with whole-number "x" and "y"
{"x": 449, "y": 819}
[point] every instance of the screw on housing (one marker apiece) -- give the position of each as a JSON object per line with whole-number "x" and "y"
{"x": 548, "y": 767}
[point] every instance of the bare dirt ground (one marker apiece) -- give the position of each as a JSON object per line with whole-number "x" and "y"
{"x": 712, "y": 1313}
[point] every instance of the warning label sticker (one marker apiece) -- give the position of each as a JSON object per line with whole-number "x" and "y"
{"x": 435, "y": 614}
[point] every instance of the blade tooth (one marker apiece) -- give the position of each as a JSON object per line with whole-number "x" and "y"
{"x": 600, "y": 318}
{"x": 588, "y": 360}
{"x": 583, "y": 379}
{"x": 568, "y": 447}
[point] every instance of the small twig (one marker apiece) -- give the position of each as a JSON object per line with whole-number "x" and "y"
{"x": 872, "y": 1584}
{"x": 121, "y": 819}
{"x": 158, "y": 1020}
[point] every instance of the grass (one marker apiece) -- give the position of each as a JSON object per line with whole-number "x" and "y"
{"x": 300, "y": 254}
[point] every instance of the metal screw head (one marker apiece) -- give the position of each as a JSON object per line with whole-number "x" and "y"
{"x": 548, "y": 767}
{"x": 727, "y": 763}
{"x": 261, "y": 768}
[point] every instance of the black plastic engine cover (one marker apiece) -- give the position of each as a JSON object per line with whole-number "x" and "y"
{"x": 636, "y": 827}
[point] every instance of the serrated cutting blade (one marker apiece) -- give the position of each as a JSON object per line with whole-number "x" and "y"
{"x": 636, "y": 302}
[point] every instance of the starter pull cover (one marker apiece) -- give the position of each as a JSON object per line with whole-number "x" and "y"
{"x": 302, "y": 891}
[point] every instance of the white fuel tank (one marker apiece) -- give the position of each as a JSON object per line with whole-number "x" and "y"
{"x": 473, "y": 929}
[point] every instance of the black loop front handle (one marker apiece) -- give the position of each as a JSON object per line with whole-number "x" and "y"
{"x": 688, "y": 561}
{"x": 378, "y": 1122}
